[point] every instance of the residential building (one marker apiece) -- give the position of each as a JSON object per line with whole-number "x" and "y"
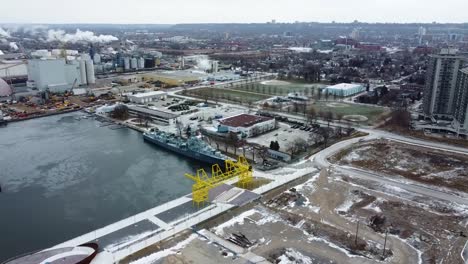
{"x": 440, "y": 91}
{"x": 461, "y": 109}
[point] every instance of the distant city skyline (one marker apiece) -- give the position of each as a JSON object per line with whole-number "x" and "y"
{"x": 240, "y": 11}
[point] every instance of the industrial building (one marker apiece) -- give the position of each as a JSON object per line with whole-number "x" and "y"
{"x": 58, "y": 75}
{"x": 440, "y": 91}
{"x": 247, "y": 125}
{"x": 153, "y": 115}
{"x": 344, "y": 89}
{"x": 142, "y": 98}
{"x": 11, "y": 69}
{"x": 5, "y": 89}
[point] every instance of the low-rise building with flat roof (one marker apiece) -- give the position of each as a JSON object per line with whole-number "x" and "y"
{"x": 142, "y": 98}
{"x": 248, "y": 125}
{"x": 153, "y": 115}
{"x": 344, "y": 89}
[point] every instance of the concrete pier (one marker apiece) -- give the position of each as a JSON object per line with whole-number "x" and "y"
{"x": 135, "y": 233}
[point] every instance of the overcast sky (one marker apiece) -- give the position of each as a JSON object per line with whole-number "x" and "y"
{"x": 220, "y": 11}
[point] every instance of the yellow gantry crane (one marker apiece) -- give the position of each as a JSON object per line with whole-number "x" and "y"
{"x": 203, "y": 184}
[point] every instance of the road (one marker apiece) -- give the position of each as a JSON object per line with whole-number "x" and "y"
{"x": 321, "y": 160}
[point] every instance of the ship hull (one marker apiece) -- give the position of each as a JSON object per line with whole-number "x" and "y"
{"x": 187, "y": 153}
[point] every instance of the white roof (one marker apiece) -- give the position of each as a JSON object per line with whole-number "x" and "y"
{"x": 344, "y": 86}
{"x": 152, "y": 93}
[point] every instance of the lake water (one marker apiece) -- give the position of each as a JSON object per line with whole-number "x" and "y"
{"x": 62, "y": 177}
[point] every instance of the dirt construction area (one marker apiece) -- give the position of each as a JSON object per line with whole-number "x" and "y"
{"x": 332, "y": 218}
{"x": 427, "y": 166}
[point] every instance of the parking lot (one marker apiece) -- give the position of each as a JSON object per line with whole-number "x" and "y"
{"x": 285, "y": 135}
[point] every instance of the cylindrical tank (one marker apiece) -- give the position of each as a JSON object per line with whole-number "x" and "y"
{"x": 134, "y": 63}
{"x": 85, "y": 56}
{"x": 97, "y": 58}
{"x": 84, "y": 80}
{"x": 90, "y": 72}
{"x": 127, "y": 63}
{"x": 141, "y": 63}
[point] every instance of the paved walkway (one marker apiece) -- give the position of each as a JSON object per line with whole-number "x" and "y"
{"x": 137, "y": 232}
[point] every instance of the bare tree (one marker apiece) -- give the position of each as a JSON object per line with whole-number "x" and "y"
{"x": 232, "y": 139}
{"x": 261, "y": 152}
{"x": 311, "y": 114}
{"x": 328, "y": 116}
{"x": 297, "y": 146}
{"x": 120, "y": 112}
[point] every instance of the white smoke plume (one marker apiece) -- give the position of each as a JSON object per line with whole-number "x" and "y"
{"x": 79, "y": 36}
{"x": 203, "y": 63}
{"x": 4, "y": 33}
{"x": 14, "y": 46}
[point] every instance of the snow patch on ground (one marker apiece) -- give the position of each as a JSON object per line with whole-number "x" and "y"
{"x": 236, "y": 220}
{"x": 356, "y": 154}
{"x": 265, "y": 217}
{"x": 292, "y": 256}
{"x": 449, "y": 174}
{"x": 373, "y": 207}
{"x": 332, "y": 245}
{"x": 309, "y": 185}
{"x": 164, "y": 253}
{"x": 346, "y": 205}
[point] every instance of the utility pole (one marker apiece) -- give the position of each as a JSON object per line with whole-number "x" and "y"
{"x": 357, "y": 231}
{"x": 385, "y": 243}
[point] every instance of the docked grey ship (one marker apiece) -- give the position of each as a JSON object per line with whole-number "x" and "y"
{"x": 192, "y": 147}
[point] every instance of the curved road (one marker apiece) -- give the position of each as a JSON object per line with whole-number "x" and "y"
{"x": 321, "y": 160}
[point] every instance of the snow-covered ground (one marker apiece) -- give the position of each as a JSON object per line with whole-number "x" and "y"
{"x": 150, "y": 259}
{"x": 285, "y": 135}
{"x": 292, "y": 256}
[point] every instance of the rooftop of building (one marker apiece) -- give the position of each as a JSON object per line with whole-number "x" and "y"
{"x": 243, "y": 120}
{"x": 344, "y": 86}
{"x": 146, "y": 94}
{"x": 153, "y": 112}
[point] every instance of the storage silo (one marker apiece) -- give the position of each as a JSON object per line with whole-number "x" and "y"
{"x": 134, "y": 63}
{"x": 141, "y": 63}
{"x": 84, "y": 80}
{"x": 97, "y": 58}
{"x": 126, "y": 63}
{"x": 90, "y": 72}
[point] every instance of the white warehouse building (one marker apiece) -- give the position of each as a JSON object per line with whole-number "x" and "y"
{"x": 142, "y": 98}
{"x": 57, "y": 75}
{"x": 344, "y": 89}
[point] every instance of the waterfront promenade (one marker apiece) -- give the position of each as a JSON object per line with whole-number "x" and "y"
{"x": 135, "y": 233}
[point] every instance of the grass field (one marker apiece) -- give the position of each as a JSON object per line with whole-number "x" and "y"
{"x": 280, "y": 88}
{"x": 371, "y": 112}
{"x": 226, "y": 94}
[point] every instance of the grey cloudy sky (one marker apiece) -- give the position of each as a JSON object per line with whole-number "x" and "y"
{"x": 219, "y": 11}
